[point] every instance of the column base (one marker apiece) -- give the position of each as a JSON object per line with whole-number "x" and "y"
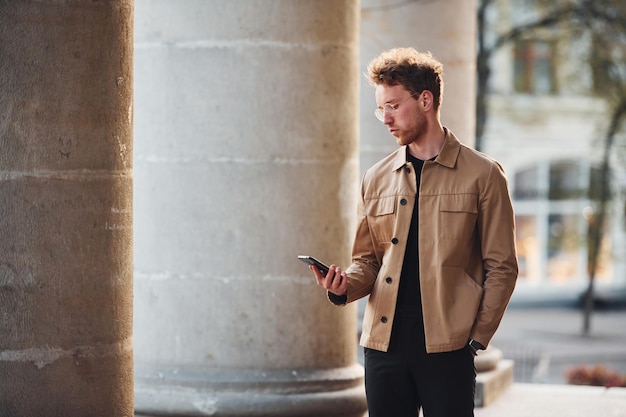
{"x": 250, "y": 393}
{"x": 492, "y": 384}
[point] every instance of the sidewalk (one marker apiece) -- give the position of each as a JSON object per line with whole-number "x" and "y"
{"x": 546, "y": 342}
{"x": 541, "y": 400}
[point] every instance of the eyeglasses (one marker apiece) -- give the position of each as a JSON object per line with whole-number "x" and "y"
{"x": 390, "y": 109}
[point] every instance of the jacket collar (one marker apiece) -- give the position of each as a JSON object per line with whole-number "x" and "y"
{"x": 447, "y": 157}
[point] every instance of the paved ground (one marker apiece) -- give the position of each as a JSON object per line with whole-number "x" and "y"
{"x": 543, "y": 400}
{"x": 547, "y": 342}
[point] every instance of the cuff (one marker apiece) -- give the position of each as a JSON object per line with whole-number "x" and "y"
{"x": 337, "y": 299}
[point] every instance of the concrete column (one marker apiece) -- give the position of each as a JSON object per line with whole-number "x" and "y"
{"x": 246, "y": 157}
{"x": 66, "y": 208}
{"x": 445, "y": 28}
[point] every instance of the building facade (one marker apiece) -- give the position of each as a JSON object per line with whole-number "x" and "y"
{"x": 548, "y": 128}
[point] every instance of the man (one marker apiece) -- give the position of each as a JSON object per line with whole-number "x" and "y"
{"x": 434, "y": 250}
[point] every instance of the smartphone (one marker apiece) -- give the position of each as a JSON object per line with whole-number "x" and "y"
{"x": 309, "y": 260}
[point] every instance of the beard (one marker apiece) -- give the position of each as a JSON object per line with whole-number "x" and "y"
{"x": 407, "y": 136}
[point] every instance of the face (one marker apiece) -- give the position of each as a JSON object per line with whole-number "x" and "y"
{"x": 408, "y": 123}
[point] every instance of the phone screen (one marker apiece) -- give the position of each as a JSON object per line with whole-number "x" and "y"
{"x": 309, "y": 260}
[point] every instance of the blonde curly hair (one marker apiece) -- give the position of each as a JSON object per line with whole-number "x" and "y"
{"x": 416, "y": 71}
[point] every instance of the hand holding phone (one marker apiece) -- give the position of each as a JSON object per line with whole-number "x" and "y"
{"x": 336, "y": 284}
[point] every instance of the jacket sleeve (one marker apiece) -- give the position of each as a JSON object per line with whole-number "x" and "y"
{"x": 496, "y": 229}
{"x": 364, "y": 269}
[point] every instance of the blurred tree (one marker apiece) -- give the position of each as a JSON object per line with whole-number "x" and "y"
{"x": 607, "y": 60}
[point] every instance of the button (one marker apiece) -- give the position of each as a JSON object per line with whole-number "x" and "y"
{"x": 408, "y": 170}
{"x": 383, "y": 319}
{"x": 403, "y": 201}
{"x": 388, "y": 280}
{"x": 395, "y": 240}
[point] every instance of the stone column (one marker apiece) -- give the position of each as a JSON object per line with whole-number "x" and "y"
{"x": 445, "y": 28}
{"x": 246, "y": 157}
{"x": 66, "y": 208}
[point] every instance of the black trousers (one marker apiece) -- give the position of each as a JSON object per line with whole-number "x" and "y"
{"x": 405, "y": 378}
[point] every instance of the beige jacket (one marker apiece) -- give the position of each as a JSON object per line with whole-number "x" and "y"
{"x": 467, "y": 258}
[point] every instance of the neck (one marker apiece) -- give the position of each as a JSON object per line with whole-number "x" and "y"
{"x": 430, "y": 145}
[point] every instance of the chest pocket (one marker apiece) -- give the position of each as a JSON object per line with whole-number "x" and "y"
{"x": 380, "y": 217}
{"x": 458, "y": 214}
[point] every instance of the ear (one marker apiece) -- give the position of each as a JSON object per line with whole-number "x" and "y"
{"x": 426, "y": 100}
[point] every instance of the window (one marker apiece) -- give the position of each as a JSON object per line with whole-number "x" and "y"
{"x": 534, "y": 71}
{"x": 527, "y": 250}
{"x": 595, "y": 184}
{"x": 565, "y": 181}
{"x": 564, "y": 243}
{"x": 526, "y": 184}
{"x": 554, "y": 208}
{"x": 607, "y": 56}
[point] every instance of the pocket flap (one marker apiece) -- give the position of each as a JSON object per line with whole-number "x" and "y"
{"x": 381, "y": 206}
{"x": 464, "y": 203}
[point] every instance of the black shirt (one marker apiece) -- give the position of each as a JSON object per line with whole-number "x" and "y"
{"x": 409, "y": 297}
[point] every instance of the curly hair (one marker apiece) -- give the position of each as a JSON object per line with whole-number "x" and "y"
{"x": 414, "y": 70}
